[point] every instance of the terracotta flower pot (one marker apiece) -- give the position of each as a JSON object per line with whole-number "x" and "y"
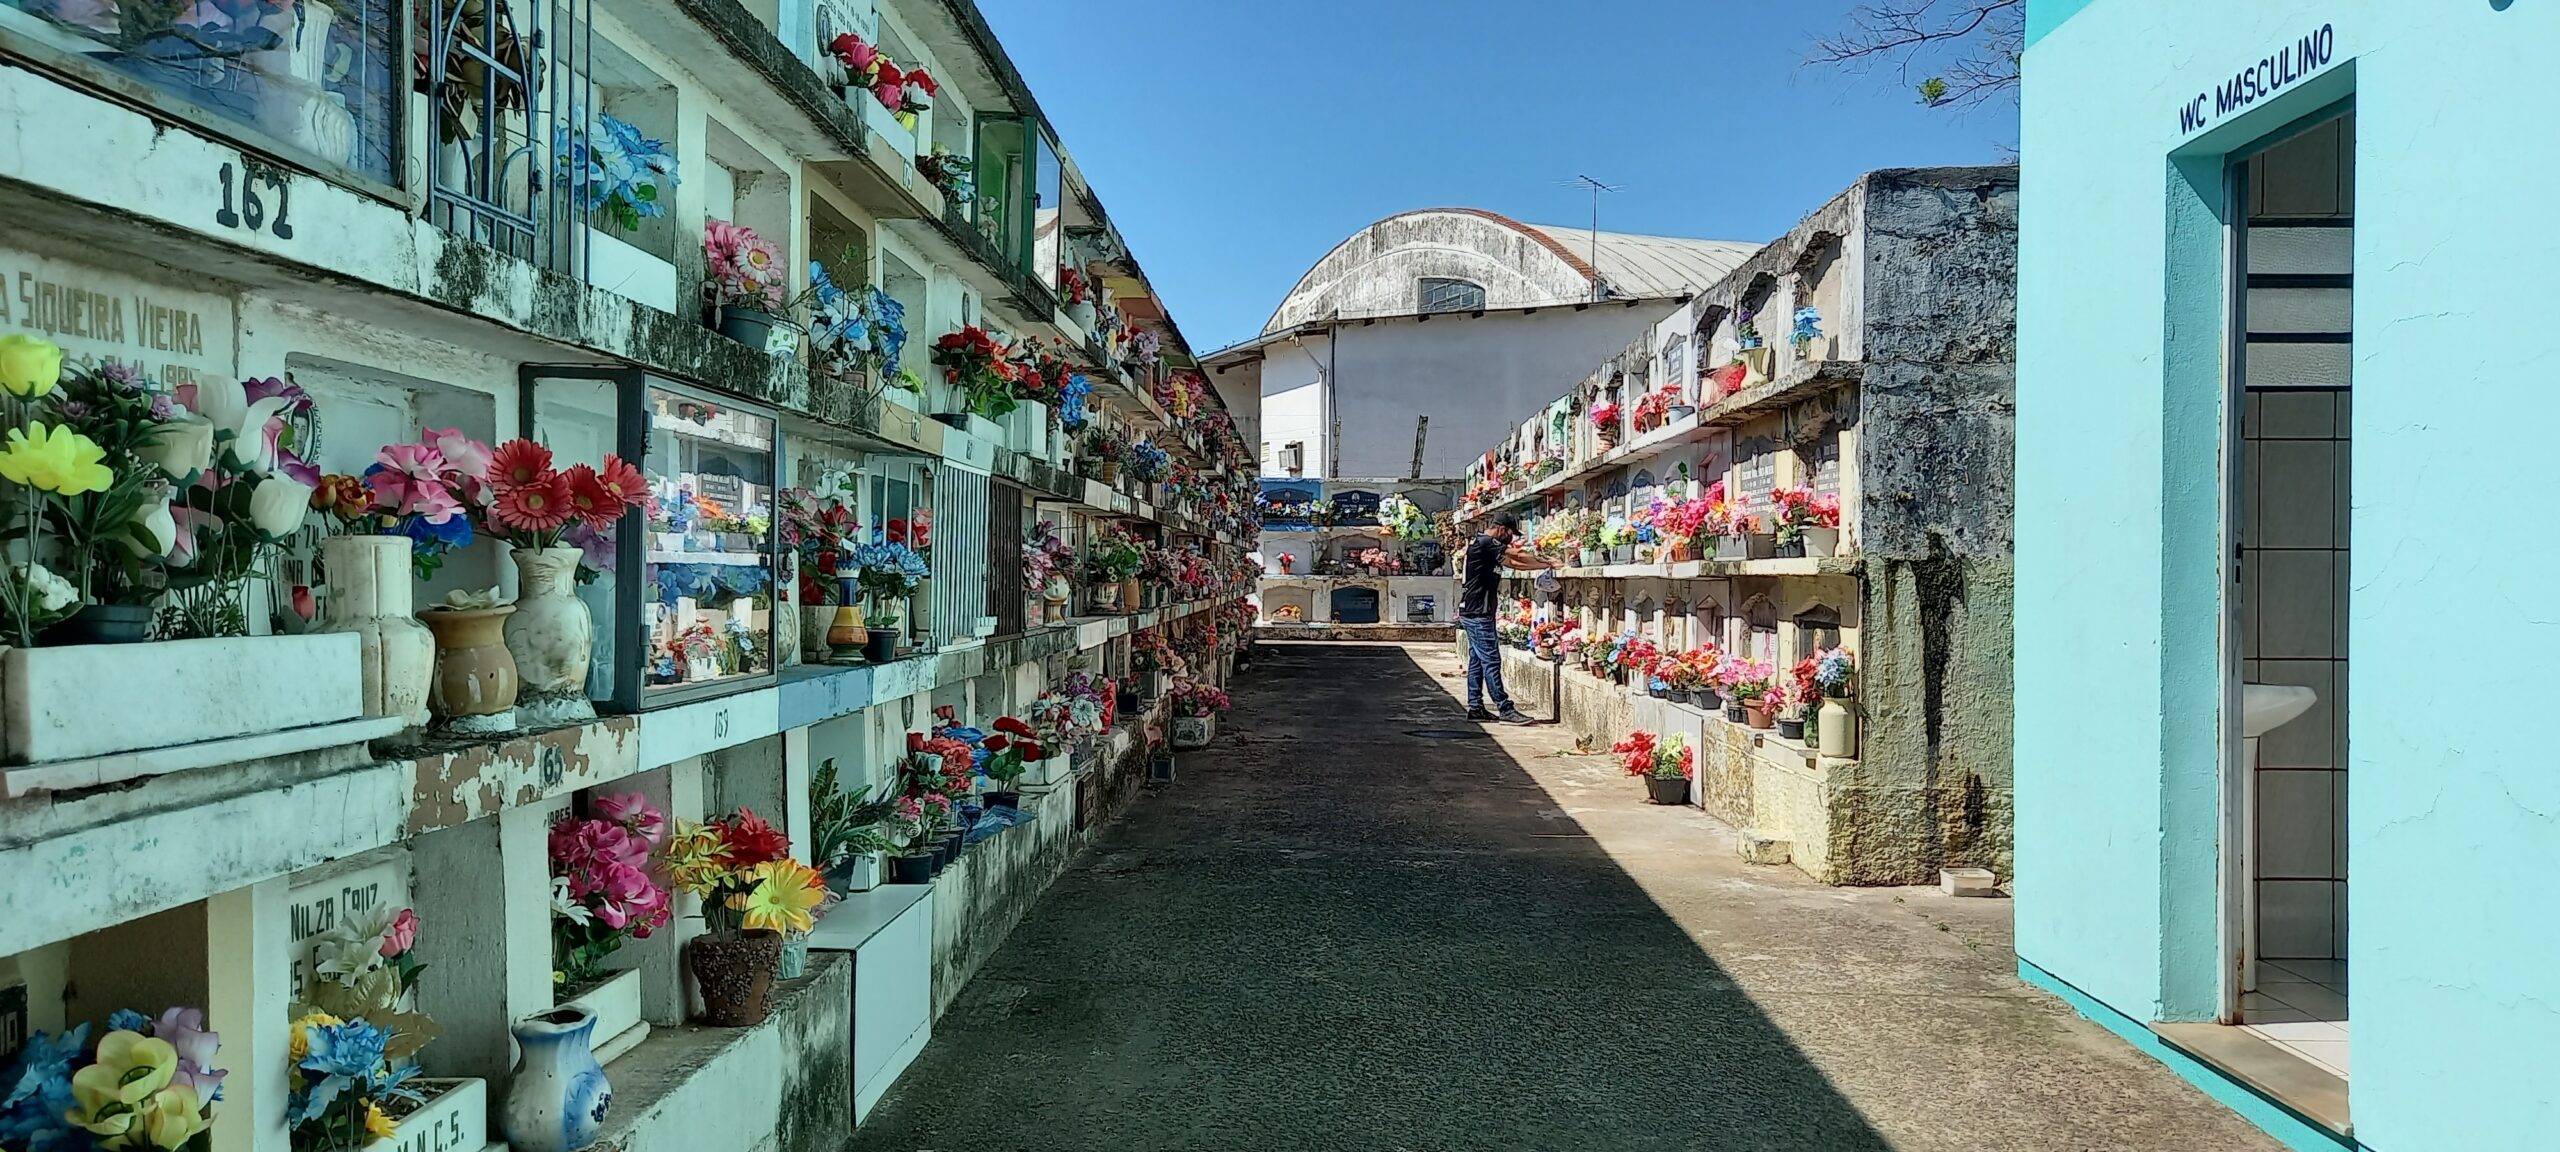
{"x": 1757, "y": 715}
{"x": 735, "y": 973}
{"x": 474, "y": 689}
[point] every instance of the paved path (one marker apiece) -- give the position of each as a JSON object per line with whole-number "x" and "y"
{"x": 1333, "y": 933}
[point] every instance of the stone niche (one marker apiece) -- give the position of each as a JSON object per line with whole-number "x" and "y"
{"x": 1288, "y": 604}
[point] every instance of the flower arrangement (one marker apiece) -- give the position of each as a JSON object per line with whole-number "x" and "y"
{"x": 1046, "y": 560}
{"x": 1011, "y": 749}
{"x": 1288, "y": 561}
{"x": 1376, "y": 560}
{"x": 857, "y": 329}
{"x": 904, "y": 92}
{"x": 344, "y": 1085}
{"x": 1635, "y": 654}
{"x": 1808, "y": 328}
{"x": 1072, "y": 286}
{"x": 954, "y": 175}
{"x": 1653, "y": 410}
{"x": 1746, "y": 330}
{"x": 602, "y": 893}
{"x": 1834, "y": 671}
{"x": 1147, "y": 463}
{"x": 94, "y": 467}
{"x": 1193, "y": 701}
{"x": 889, "y": 570}
{"x": 1604, "y": 416}
{"x": 844, "y": 824}
{"x": 1796, "y": 509}
{"x": 531, "y": 504}
{"x": 623, "y": 176}
{"x": 1403, "y": 517}
{"x": 980, "y": 367}
{"x": 1745, "y": 679}
{"x": 1642, "y": 754}
{"x": 1152, "y": 652}
{"x": 741, "y": 868}
{"x": 148, "y": 1085}
{"x": 1549, "y": 636}
{"x": 743, "y": 271}
{"x": 1114, "y": 555}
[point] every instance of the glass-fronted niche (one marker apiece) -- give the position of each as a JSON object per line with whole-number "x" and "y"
{"x": 318, "y": 80}
{"x": 838, "y": 496}
{"x": 1022, "y": 195}
{"x": 689, "y": 590}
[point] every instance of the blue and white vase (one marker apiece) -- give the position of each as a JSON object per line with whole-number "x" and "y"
{"x": 559, "y": 1098}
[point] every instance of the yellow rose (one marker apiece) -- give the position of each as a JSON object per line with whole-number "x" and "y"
{"x": 130, "y": 1068}
{"x": 29, "y": 366}
{"x": 169, "y": 1120}
{"x": 57, "y": 460}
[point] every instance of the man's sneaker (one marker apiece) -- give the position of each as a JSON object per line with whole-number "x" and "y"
{"x": 1480, "y": 714}
{"x": 1514, "y": 716}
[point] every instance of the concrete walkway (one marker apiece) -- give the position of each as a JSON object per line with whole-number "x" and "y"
{"x": 1336, "y": 933}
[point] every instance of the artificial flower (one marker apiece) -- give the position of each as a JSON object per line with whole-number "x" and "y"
{"x": 404, "y": 478}
{"x": 377, "y": 1124}
{"x": 277, "y": 506}
{"x": 29, "y": 365}
{"x": 402, "y": 935}
{"x": 749, "y": 840}
{"x": 298, "y": 1040}
{"x": 624, "y": 481}
{"x": 52, "y": 592}
{"x": 785, "y": 891}
{"x": 590, "y": 500}
{"x": 564, "y": 903}
{"x": 341, "y": 497}
{"x": 35, "y": 1093}
{"x": 519, "y": 462}
{"x": 352, "y": 1048}
{"x": 167, "y": 1120}
{"x": 237, "y": 420}
{"x": 184, "y": 1029}
{"x": 462, "y": 454}
{"x": 183, "y": 448}
{"x": 130, "y": 1067}
{"x": 632, "y": 810}
{"x": 57, "y": 460}
{"x": 541, "y": 505}
{"x": 155, "y": 530}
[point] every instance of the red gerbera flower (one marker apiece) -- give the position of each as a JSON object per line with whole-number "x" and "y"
{"x": 519, "y": 461}
{"x": 590, "y": 500}
{"x": 541, "y": 506}
{"x": 1013, "y": 725}
{"x": 748, "y": 840}
{"x": 624, "y": 481}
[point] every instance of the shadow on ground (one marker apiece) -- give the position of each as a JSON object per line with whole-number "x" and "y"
{"x": 1335, "y": 934}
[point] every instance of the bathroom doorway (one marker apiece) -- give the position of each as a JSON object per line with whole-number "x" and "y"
{"x": 2285, "y": 778}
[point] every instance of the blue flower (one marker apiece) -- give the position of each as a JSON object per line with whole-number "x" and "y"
{"x": 128, "y": 1020}
{"x": 35, "y": 1092}
{"x": 353, "y": 1049}
{"x": 621, "y": 174}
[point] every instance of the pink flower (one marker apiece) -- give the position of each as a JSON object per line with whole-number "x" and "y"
{"x": 461, "y": 453}
{"x": 632, "y": 811}
{"x": 403, "y": 935}
{"x": 184, "y": 1030}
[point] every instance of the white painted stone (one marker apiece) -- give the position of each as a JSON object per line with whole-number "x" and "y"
{"x": 81, "y": 701}
{"x": 65, "y": 775}
{"x": 1968, "y": 882}
{"x": 456, "y": 1117}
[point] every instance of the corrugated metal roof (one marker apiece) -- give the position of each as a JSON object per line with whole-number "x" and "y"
{"x": 1652, "y": 267}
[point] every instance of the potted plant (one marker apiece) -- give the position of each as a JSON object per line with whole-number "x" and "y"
{"x": 1046, "y": 561}
{"x": 1103, "y": 447}
{"x": 1750, "y": 683}
{"x": 848, "y": 830}
{"x": 533, "y": 507}
{"x": 981, "y": 368}
{"x": 1807, "y": 333}
{"x": 1196, "y": 708}
{"x": 913, "y": 861}
{"x": 1808, "y": 525}
{"x": 1010, "y": 749}
{"x": 1604, "y": 420}
{"x": 1835, "y": 673}
{"x": 1076, "y": 297}
{"x": 1754, "y": 352}
{"x": 1592, "y": 540}
{"x": 743, "y": 282}
{"x": 1744, "y": 539}
{"x": 887, "y": 572}
{"x": 752, "y": 891}
{"x": 1665, "y": 765}
{"x": 1782, "y": 702}
{"x": 603, "y": 895}
{"x": 1114, "y": 559}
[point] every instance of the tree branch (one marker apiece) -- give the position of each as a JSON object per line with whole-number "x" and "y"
{"x": 1966, "y": 51}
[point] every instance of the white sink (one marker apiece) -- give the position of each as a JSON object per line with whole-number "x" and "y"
{"x": 2267, "y": 707}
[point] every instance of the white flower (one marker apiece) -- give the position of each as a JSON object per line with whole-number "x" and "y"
{"x": 566, "y": 906}
{"x": 277, "y": 506}
{"x": 226, "y": 404}
{"x": 465, "y": 600}
{"x": 183, "y": 448}
{"x": 53, "y": 593}
{"x": 159, "y": 529}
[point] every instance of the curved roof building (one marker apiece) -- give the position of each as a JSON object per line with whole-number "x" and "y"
{"x": 1466, "y": 259}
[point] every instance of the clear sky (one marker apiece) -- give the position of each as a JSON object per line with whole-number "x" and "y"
{"x": 1235, "y": 142}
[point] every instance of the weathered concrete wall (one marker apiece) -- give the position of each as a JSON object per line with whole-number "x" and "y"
{"x": 1931, "y": 788}
{"x": 979, "y": 897}
{"x": 1374, "y": 272}
{"x": 783, "y": 1086}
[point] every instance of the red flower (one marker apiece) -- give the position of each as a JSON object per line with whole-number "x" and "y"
{"x": 947, "y": 713}
{"x": 915, "y": 741}
{"x": 995, "y": 742}
{"x": 624, "y": 481}
{"x": 1033, "y": 752}
{"x": 747, "y": 841}
{"x": 539, "y": 506}
{"x": 590, "y": 500}
{"x": 1015, "y": 726}
{"x": 519, "y": 461}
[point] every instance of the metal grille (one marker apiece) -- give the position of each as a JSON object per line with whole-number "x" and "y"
{"x": 508, "y": 88}
{"x": 1005, "y": 592}
{"x": 960, "y": 498}
{"x": 1444, "y": 295}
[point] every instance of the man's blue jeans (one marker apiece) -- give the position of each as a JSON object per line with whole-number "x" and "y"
{"x": 1484, "y": 664}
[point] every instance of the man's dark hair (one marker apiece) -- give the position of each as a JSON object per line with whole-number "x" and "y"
{"x": 1507, "y": 522}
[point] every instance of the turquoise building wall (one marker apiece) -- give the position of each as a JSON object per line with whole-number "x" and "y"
{"x": 2453, "y": 835}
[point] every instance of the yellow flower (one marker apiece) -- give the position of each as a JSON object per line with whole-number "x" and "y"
{"x": 299, "y": 1046}
{"x": 29, "y": 366}
{"x": 693, "y": 858}
{"x": 784, "y": 893}
{"x": 130, "y": 1068}
{"x": 57, "y": 460}
{"x": 169, "y": 1120}
{"x": 376, "y": 1124}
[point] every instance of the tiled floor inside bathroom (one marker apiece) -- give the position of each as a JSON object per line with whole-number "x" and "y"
{"x": 2301, "y": 1007}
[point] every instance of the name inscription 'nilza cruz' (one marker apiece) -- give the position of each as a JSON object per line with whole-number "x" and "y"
{"x": 2276, "y": 72}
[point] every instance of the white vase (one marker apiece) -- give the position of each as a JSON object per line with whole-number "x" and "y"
{"x": 559, "y": 1098}
{"x": 369, "y": 583}
{"x": 815, "y": 619}
{"x": 1839, "y": 728}
{"x": 551, "y": 637}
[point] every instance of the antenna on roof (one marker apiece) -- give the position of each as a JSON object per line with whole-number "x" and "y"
{"x": 1598, "y": 290}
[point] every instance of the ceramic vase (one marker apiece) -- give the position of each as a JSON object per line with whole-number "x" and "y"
{"x": 474, "y": 689}
{"x": 369, "y": 586}
{"x": 735, "y": 973}
{"x": 816, "y": 621}
{"x": 1839, "y": 728}
{"x": 558, "y": 1100}
{"x": 551, "y": 637}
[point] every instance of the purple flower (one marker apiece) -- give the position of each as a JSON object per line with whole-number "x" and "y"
{"x": 184, "y": 1029}
{"x": 163, "y": 409}
{"x": 297, "y": 400}
{"x": 122, "y": 375}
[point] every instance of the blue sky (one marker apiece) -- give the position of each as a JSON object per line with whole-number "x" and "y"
{"x": 1236, "y": 142}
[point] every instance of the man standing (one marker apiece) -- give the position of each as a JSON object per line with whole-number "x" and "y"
{"x": 1493, "y": 549}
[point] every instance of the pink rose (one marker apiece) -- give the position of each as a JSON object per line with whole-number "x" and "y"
{"x": 403, "y": 935}
{"x": 632, "y": 811}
